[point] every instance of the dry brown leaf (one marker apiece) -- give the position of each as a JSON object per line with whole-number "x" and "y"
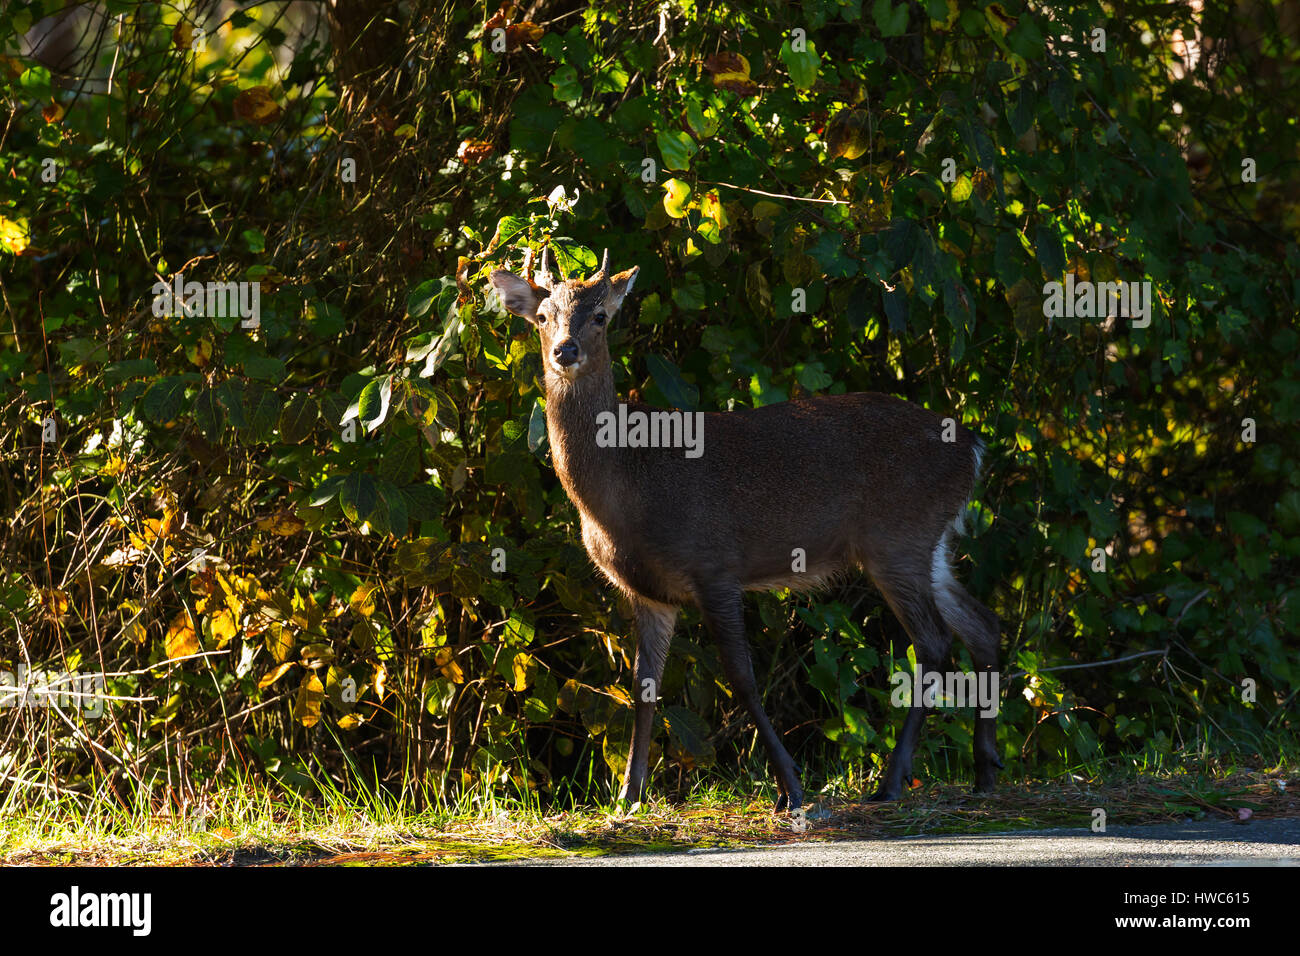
{"x": 471, "y": 152}
{"x": 256, "y": 105}
{"x": 731, "y": 72}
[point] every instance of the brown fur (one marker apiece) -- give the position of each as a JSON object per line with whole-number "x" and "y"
{"x": 856, "y": 481}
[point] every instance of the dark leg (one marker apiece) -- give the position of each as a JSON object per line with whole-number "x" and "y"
{"x": 977, "y": 627}
{"x": 917, "y": 612}
{"x": 724, "y": 614}
{"x": 654, "y": 630}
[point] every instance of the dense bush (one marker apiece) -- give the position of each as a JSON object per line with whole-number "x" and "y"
{"x": 822, "y": 197}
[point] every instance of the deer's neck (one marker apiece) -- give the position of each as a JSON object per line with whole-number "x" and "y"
{"x": 590, "y": 474}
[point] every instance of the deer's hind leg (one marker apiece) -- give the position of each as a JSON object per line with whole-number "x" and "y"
{"x": 911, "y": 599}
{"x": 976, "y": 627}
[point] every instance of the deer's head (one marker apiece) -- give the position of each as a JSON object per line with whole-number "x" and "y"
{"x": 571, "y": 315}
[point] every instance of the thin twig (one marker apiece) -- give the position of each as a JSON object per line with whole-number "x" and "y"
{"x": 1071, "y": 667}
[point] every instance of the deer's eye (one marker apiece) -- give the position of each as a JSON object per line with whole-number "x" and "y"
{"x": 599, "y": 318}
{"x": 541, "y": 318}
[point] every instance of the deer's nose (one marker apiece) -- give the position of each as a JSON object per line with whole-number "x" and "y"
{"x": 566, "y": 353}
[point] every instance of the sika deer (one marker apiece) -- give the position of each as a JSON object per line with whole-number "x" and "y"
{"x": 861, "y": 480}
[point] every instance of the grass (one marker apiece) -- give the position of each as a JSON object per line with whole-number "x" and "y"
{"x": 251, "y": 824}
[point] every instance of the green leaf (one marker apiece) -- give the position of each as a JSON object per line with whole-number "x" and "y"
{"x": 399, "y": 461}
{"x": 540, "y": 704}
{"x": 372, "y": 405}
{"x": 208, "y": 413}
{"x": 326, "y": 490}
{"x": 690, "y": 732}
{"x": 424, "y": 502}
{"x": 691, "y": 293}
{"x": 565, "y": 85}
{"x": 676, "y": 148}
{"x": 264, "y": 367}
{"x": 962, "y": 188}
{"x": 231, "y": 394}
{"x": 162, "y": 403}
{"x": 536, "y": 426}
{"x": 325, "y": 320}
{"x": 298, "y": 418}
{"x": 254, "y": 239}
{"x": 1051, "y": 255}
{"x": 1005, "y": 258}
{"x": 393, "y": 501}
{"x": 804, "y": 64}
{"x": 261, "y": 412}
{"x": 119, "y": 372}
{"x": 358, "y": 496}
{"x": 901, "y": 241}
{"x": 677, "y": 390}
{"x": 891, "y": 20}
{"x": 421, "y": 298}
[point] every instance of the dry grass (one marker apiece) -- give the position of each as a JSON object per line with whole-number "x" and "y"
{"x": 327, "y": 837}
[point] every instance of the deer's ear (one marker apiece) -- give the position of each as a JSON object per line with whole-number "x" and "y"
{"x": 620, "y": 285}
{"x": 519, "y": 296}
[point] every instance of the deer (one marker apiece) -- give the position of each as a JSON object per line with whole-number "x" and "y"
{"x": 860, "y": 481}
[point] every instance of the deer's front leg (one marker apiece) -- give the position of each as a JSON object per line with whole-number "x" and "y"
{"x": 654, "y": 630}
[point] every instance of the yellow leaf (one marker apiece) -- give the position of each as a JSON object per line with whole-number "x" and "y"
{"x": 231, "y": 593}
{"x": 200, "y": 353}
{"x": 181, "y": 640}
{"x": 381, "y": 678}
{"x": 14, "y": 235}
{"x": 53, "y": 601}
{"x": 711, "y": 206}
{"x": 132, "y": 626}
{"x": 677, "y": 196}
{"x": 362, "y": 601}
{"x": 279, "y": 641}
{"x": 445, "y": 658}
{"x": 224, "y": 627}
{"x": 113, "y": 467}
{"x": 619, "y": 694}
{"x": 271, "y": 676}
{"x": 519, "y": 668}
{"x": 285, "y": 525}
{"x": 173, "y": 520}
{"x": 183, "y": 36}
{"x": 351, "y": 721}
{"x": 306, "y": 709}
{"x": 317, "y": 655}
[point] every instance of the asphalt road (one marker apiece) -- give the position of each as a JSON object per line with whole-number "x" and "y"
{"x": 1210, "y": 843}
